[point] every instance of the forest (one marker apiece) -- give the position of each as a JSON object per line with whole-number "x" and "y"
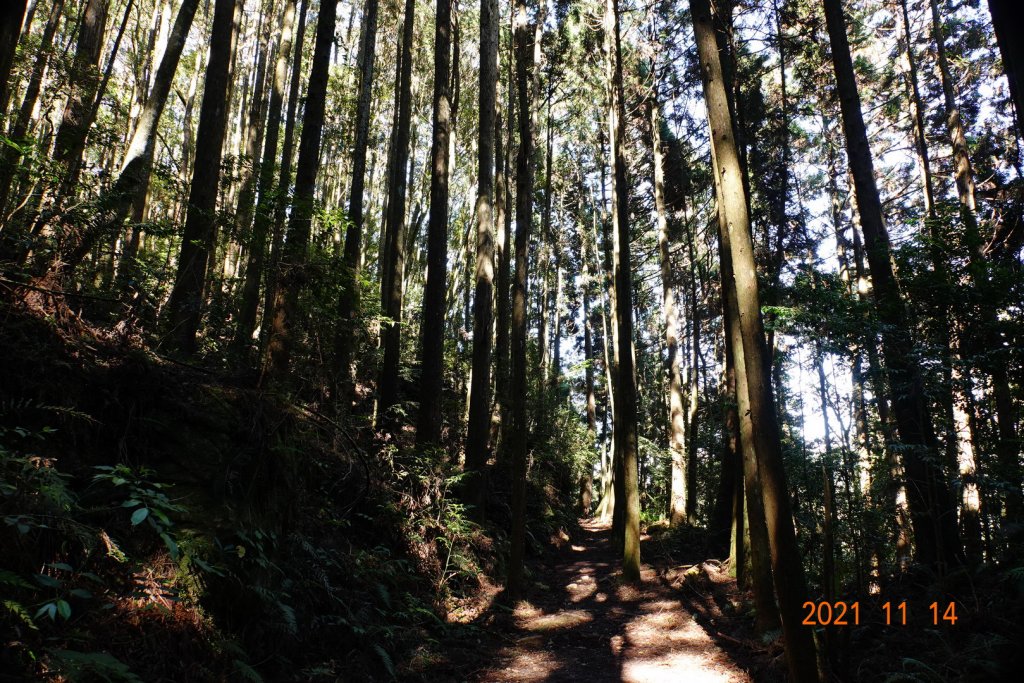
{"x": 548, "y": 340}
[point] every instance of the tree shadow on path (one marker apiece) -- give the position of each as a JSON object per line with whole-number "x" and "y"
{"x": 581, "y": 623}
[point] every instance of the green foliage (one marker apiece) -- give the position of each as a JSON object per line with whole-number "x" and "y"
{"x": 144, "y": 498}
{"x": 90, "y": 666}
{"x": 45, "y": 518}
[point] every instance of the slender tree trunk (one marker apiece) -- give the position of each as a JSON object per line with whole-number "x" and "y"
{"x": 115, "y": 204}
{"x": 932, "y": 513}
{"x": 256, "y": 261}
{"x": 556, "y": 310}
{"x": 349, "y": 301}
{"x": 587, "y": 483}
{"x": 755, "y": 523}
{"x": 18, "y": 133}
{"x": 479, "y": 428}
{"x": 733, "y": 472}
{"x": 10, "y": 30}
{"x": 1011, "y": 49}
{"x": 606, "y": 502}
{"x": 734, "y": 228}
{"x": 692, "y": 414}
{"x": 503, "y": 257}
{"x": 626, "y": 392}
{"x": 281, "y": 192}
{"x": 85, "y": 79}
{"x": 186, "y": 302}
{"x": 524, "y": 217}
{"x": 292, "y": 275}
{"x": 395, "y": 225}
{"x": 917, "y": 111}
{"x": 976, "y": 340}
{"x": 677, "y": 418}
{"x": 254, "y": 131}
{"x": 428, "y": 430}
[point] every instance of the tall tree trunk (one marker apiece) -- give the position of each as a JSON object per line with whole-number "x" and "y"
{"x": 517, "y": 435}
{"x": 284, "y": 180}
{"x": 255, "y": 265}
{"x": 732, "y": 497}
{"x": 349, "y": 301}
{"x": 89, "y": 230}
{"x": 626, "y": 394}
{"x": 18, "y": 133}
{"x": 755, "y": 523}
{"x": 932, "y": 513}
{"x": 186, "y": 302}
{"x": 976, "y": 340}
{"x": 85, "y": 79}
{"x": 292, "y": 271}
{"x": 920, "y": 142}
{"x": 676, "y": 416}
{"x": 503, "y": 257}
{"x": 1011, "y": 49}
{"x": 587, "y": 483}
{"x": 478, "y": 430}
{"x": 734, "y": 228}
{"x": 394, "y": 223}
{"x": 606, "y": 501}
{"x": 10, "y": 30}
{"x": 254, "y": 131}
{"x": 428, "y": 429}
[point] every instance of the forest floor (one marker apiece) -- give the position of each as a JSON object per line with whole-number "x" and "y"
{"x": 582, "y": 623}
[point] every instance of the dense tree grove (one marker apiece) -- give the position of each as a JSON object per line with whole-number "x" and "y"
{"x": 737, "y": 270}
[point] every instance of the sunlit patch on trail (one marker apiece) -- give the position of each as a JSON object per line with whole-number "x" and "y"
{"x": 559, "y": 620}
{"x": 583, "y": 624}
{"x": 689, "y": 666}
{"x": 661, "y": 605}
{"x": 530, "y": 665}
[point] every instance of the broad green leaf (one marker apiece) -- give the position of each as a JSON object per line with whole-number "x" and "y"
{"x": 47, "y": 581}
{"x": 172, "y": 547}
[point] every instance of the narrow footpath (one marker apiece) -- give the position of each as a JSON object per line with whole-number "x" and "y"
{"x": 583, "y": 624}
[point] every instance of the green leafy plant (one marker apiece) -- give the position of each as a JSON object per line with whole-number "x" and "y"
{"x": 145, "y": 499}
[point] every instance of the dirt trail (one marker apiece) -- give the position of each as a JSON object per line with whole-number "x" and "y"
{"x": 582, "y": 624}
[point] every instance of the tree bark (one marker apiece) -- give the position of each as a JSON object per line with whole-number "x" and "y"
{"x": 281, "y": 192}
{"x": 676, "y": 416}
{"x": 292, "y": 271}
{"x": 587, "y": 484}
{"x": 395, "y": 226}
{"x": 933, "y": 515}
{"x": 10, "y": 30}
{"x": 478, "y": 430}
{"x": 256, "y": 262}
{"x": 755, "y": 523}
{"x": 200, "y": 222}
{"x": 114, "y": 205}
{"x": 503, "y": 257}
{"x": 254, "y": 131}
{"x": 976, "y": 340}
{"x": 626, "y": 392}
{"x": 85, "y": 78}
{"x": 349, "y": 301}
{"x": 428, "y": 430}
{"x": 524, "y": 217}
{"x": 1011, "y": 49}
{"x": 18, "y": 133}
{"x": 734, "y": 228}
